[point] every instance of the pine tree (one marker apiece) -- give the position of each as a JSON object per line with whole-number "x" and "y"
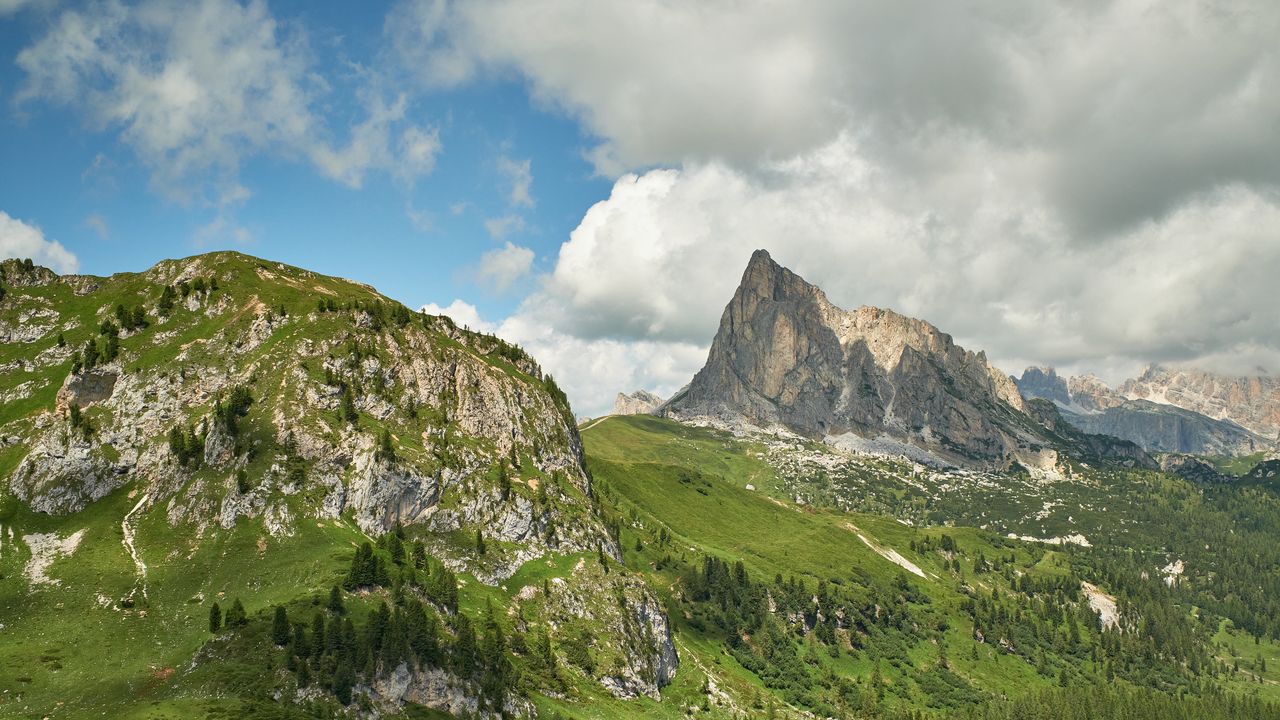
{"x": 480, "y": 548}
{"x": 335, "y": 601}
{"x": 504, "y": 481}
{"x": 464, "y": 648}
{"x": 347, "y": 407}
{"x": 343, "y": 680}
{"x": 280, "y": 631}
{"x": 215, "y": 618}
{"x": 386, "y": 451}
{"x": 236, "y": 616}
{"x": 396, "y": 547}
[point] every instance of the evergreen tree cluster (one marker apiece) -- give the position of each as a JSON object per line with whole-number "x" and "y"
{"x": 228, "y": 413}
{"x": 186, "y": 445}
{"x": 131, "y": 319}
{"x": 335, "y": 652}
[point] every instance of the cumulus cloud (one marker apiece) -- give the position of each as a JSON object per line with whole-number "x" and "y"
{"x": 20, "y": 240}
{"x": 502, "y": 267}
{"x": 462, "y": 313}
{"x": 194, "y": 89}
{"x": 653, "y": 266}
{"x": 1092, "y": 185}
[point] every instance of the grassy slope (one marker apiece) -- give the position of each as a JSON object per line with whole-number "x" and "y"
{"x": 643, "y": 459}
{"x": 693, "y": 482}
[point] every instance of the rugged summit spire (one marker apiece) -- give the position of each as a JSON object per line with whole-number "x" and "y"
{"x": 785, "y": 355}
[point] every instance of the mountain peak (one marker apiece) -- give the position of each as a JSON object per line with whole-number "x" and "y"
{"x": 785, "y": 355}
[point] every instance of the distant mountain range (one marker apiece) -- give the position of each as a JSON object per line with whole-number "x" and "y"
{"x": 1178, "y": 411}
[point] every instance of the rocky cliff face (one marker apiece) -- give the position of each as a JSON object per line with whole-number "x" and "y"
{"x": 640, "y": 402}
{"x": 1253, "y": 402}
{"x": 784, "y": 355}
{"x": 1167, "y": 427}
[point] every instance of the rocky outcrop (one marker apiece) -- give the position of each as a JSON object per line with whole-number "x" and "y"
{"x": 82, "y": 389}
{"x": 784, "y": 355}
{"x": 438, "y": 690}
{"x": 640, "y": 402}
{"x": 1193, "y": 469}
{"x": 640, "y": 658}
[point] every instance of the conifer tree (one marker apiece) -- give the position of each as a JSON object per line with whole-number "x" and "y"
{"x": 280, "y": 630}
{"x": 504, "y": 481}
{"x": 347, "y": 407}
{"x": 236, "y": 616}
{"x": 215, "y": 618}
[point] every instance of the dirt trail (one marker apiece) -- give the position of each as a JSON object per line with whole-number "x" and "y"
{"x": 128, "y": 542}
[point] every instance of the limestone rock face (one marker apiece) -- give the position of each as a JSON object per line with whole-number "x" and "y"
{"x": 1252, "y": 402}
{"x": 1165, "y": 428}
{"x": 1162, "y": 426}
{"x": 640, "y": 402}
{"x": 640, "y": 658}
{"x": 784, "y": 355}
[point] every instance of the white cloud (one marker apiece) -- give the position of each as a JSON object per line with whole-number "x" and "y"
{"x": 20, "y": 240}
{"x": 371, "y": 146}
{"x": 502, "y": 267}
{"x": 98, "y": 225}
{"x": 1093, "y": 185}
{"x": 500, "y": 227}
{"x": 519, "y": 174}
{"x": 1119, "y": 110}
{"x": 590, "y": 371}
{"x": 195, "y": 89}
{"x": 418, "y": 150}
{"x": 593, "y": 371}
{"x": 462, "y": 313}
{"x": 652, "y": 268}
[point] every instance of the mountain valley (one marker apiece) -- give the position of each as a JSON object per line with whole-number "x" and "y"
{"x": 265, "y": 492}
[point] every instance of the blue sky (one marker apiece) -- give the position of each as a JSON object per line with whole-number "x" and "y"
{"x": 420, "y": 241}
{"x": 1095, "y": 187}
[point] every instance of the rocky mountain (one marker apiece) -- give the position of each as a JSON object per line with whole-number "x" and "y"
{"x": 640, "y": 402}
{"x": 1076, "y": 394}
{"x": 1253, "y": 402}
{"x": 1090, "y": 405}
{"x": 229, "y": 396}
{"x": 785, "y": 355}
{"x": 1166, "y": 428}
